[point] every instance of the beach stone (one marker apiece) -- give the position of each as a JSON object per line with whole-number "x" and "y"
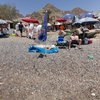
{"x": 66, "y": 75}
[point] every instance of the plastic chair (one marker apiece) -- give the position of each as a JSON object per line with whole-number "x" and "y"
{"x": 61, "y": 42}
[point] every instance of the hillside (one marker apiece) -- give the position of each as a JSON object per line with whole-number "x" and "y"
{"x": 78, "y": 11}
{"x": 55, "y": 12}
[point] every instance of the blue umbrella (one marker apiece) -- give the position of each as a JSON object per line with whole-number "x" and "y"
{"x": 88, "y": 14}
{"x": 69, "y": 16}
{"x": 86, "y": 20}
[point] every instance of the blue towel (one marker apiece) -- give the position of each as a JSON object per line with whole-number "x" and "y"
{"x": 43, "y": 50}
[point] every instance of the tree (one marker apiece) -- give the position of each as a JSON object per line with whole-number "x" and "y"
{"x": 8, "y": 12}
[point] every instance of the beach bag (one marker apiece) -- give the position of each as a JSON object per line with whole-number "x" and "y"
{"x": 90, "y": 41}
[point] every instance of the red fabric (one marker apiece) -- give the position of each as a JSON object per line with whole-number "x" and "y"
{"x": 62, "y": 27}
{"x": 61, "y": 20}
{"x": 31, "y": 20}
{"x": 90, "y": 41}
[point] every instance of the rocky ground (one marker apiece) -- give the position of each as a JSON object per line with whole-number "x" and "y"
{"x": 67, "y": 75}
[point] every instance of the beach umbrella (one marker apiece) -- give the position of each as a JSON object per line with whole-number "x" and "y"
{"x": 60, "y": 20}
{"x": 69, "y": 16}
{"x": 86, "y": 20}
{"x": 2, "y": 21}
{"x": 43, "y": 33}
{"x": 88, "y": 14}
{"x": 30, "y": 20}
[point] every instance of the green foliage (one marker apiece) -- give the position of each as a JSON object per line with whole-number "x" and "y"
{"x": 8, "y": 12}
{"x": 14, "y": 23}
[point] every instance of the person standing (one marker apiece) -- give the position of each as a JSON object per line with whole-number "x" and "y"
{"x": 21, "y": 28}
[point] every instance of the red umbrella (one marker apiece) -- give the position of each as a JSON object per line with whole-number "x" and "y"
{"x": 31, "y": 20}
{"x": 61, "y": 20}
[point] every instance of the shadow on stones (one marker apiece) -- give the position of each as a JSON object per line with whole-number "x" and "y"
{"x": 42, "y": 55}
{"x": 4, "y": 36}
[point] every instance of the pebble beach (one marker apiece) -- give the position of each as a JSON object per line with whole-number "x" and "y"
{"x": 67, "y": 75}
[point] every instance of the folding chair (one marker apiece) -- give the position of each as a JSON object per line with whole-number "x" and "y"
{"x": 61, "y": 43}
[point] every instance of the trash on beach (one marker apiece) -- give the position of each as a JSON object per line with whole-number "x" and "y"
{"x": 93, "y": 94}
{"x": 12, "y": 34}
{"x": 1, "y": 83}
{"x": 90, "y": 57}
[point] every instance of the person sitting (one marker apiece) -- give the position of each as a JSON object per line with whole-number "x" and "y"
{"x": 61, "y": 41}
{"x": 74, "y": 39}
{"x": 61, "y": 33}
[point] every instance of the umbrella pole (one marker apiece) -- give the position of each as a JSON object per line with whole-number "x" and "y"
{"x": 45, "y": 49}
{"x": 44, "y": 54}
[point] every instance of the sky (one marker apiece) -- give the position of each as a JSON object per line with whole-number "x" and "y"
{"x": 28, "y": 6}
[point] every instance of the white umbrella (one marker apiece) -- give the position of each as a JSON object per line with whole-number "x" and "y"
{"x": 2, "y": 21}
{"x": 86, "y": 20}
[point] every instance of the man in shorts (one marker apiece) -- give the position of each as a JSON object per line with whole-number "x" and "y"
{"x": 21, "y": 28}
{"x": 74, "y": 39}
